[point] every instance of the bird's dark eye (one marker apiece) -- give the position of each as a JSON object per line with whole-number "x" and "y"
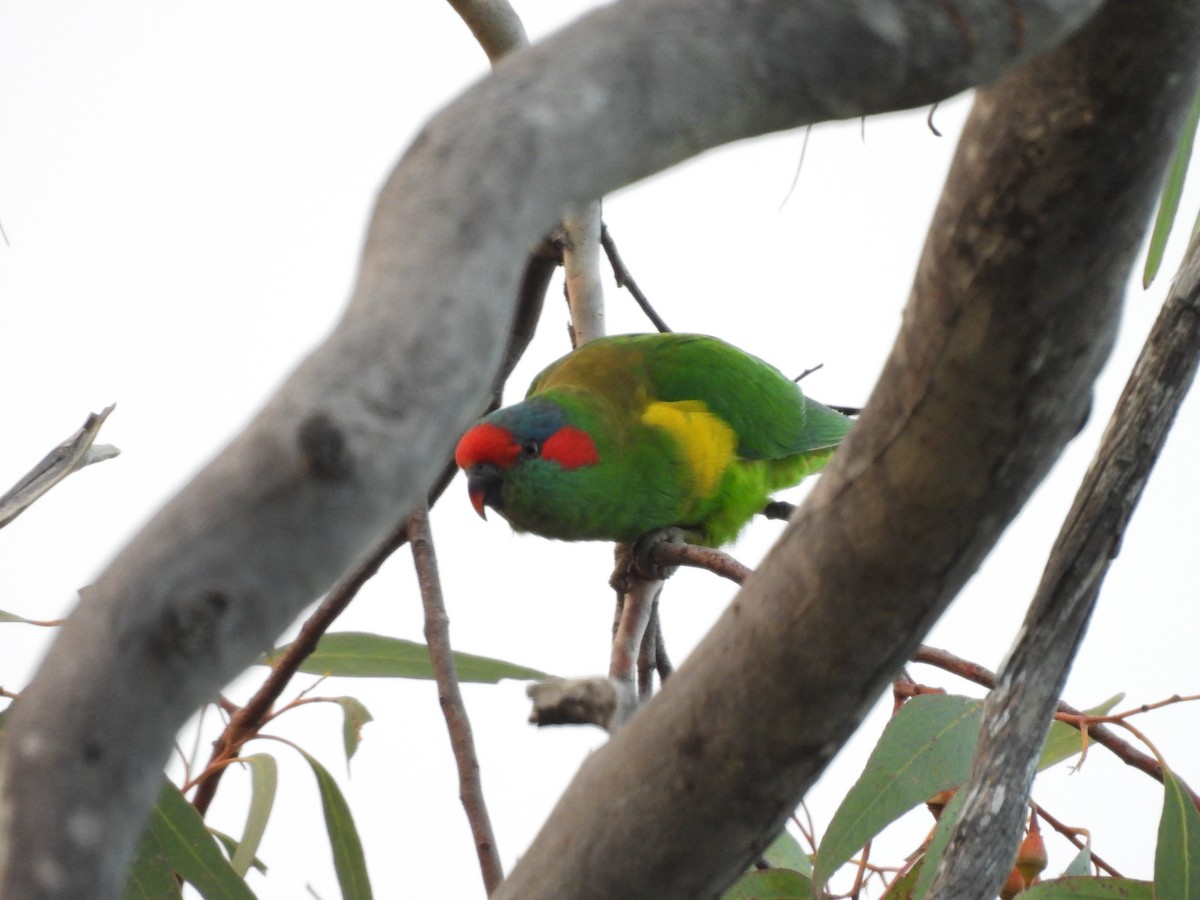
{"x": 531, "y": 449}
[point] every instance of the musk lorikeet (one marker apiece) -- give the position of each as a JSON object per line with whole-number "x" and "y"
{"x": 635, "y": 433}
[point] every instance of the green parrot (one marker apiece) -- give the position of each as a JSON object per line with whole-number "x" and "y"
{"x": 631, "y": 434}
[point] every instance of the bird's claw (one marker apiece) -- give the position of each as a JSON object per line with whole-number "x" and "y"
{"x": 636, "y": 560}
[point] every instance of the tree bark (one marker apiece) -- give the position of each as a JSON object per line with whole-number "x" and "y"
{"x": 358, "y": 432}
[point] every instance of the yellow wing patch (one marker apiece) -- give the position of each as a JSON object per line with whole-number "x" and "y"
{"x": 707, "y": 442}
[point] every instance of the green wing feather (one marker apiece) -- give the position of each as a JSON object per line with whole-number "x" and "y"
{"x": 766, "y": 410}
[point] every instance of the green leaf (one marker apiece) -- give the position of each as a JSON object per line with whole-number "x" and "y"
{"x": 937, "y": 844}
{"x": 264, "y": 777}
{"x": 355, "y": 717}
{"x": 1177, "y": 857}
{"x": 1088, "y": 888}
{"x": 230, "y": 846}
{"x": 1063, "y": 741}
{"x": 150, "y": 876}
{"x": 771, "y": 884}
{"x": 348, "y": 859}
{"x": 925, "y": 748}
{"x": 357, "y": 654}
{"x": 190, "y": 850}
{"x": 1172, "y": 190}
{"x": 785, "y": 852}
{"x": 1081, "y": 864}
{"x": 902, "y": 888}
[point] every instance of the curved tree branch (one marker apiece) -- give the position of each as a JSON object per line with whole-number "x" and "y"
{"x": 358, "y": 432}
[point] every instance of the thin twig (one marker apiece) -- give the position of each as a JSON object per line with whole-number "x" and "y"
{"x": 647, "y": 663}
{"x": 929, "y": 120}
{"x": 1120, "y": 748}
{"x": 72, "y": 454}
{"x": 441, "y": 656}
{"x": 799, "y": 166}
{"x": 701, "y": 558}
{"x": 1072, "y": 835}
{"x": 625, "y": 279}
{"x": 637, "y": 607}
{"x": 246, "y": 721}
{"x": 495, "y": 25}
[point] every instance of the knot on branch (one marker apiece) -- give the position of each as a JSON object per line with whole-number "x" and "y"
{"x": 323, "y": 449}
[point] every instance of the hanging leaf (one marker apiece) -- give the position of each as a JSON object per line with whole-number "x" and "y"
{"x": 189, "y": 849}
{"x": 1081, "y": 864}
{"x": 1177, "y": 857}
{"x": 357, "y": 654}
{"x": 902, "y": 887}
{"x": 264, "y": 777}
{"x": 354, "y": 717}
{"x": 925, "y": 748}
{"x": 150, "y": 876}
{"x": 348, "y": 859}
{"x": 230, "y": 845}
{"x": 1172, "y": 190}
{"x": 937, "y": 844}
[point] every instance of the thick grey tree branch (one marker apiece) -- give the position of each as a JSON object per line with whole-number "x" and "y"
{"x": 358, "y": 432}
{"x": 1012, "y": 313}
{"x": 1018, "y": 712}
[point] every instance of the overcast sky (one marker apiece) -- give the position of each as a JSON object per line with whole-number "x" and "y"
{"x": 184, "y": 190}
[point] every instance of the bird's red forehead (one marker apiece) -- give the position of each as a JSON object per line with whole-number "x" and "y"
{"x": 486, "y": 443}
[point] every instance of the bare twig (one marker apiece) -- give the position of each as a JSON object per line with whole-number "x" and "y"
{"x": 796, "y": 176}
{"x": 1072, "y": 835}
{"x": 929, "y": 120}
{"x": 72, "y": 454}
{"x": 246, "y": 721}
{"x": 637, "y": 607}
{"x": 625, "y": 279}
{"x": 581, "y": 262}
{"x": 1065, "y": 713}
{"x": 647, "y": 661}
{"x": 495, "y": 25}
{"x": 437, "y": 636}
{"x": 715, "y": 561}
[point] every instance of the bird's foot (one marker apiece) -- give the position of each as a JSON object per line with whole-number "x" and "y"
{"x": 636, "y": 561}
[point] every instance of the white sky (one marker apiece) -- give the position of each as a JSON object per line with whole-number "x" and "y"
{"x": 184, "y": 188}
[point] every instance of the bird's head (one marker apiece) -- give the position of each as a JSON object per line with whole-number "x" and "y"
{"x": 517, "y": 458}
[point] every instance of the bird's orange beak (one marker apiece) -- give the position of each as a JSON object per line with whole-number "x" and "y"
{"x": 477, "y": 494}
{"x": 483, "y": 487}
